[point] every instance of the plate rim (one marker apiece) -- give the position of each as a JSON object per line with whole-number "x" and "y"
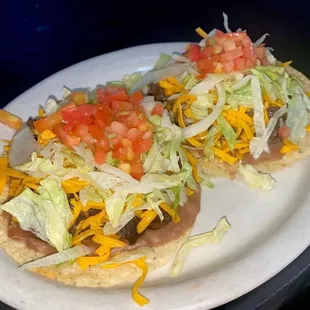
{"x": 299, "y": 212}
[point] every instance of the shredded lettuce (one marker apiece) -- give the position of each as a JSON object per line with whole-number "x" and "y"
{"x": 256, "y": 179}
{"x": 207, "y": 84}
{"x": 46, "y": 214}
{"x": 261, "y": 40}
{"x": 91, "y": 193}
{"x": 214, "y": 236}
{"x": 41, "y": 167}
{"x": 163, "y": 61}
{"x": 209, "y": 142}
{"x": 201, "y": 105}
{"x": 131, "y": 79}
{"x": 297, "y": 118}
{"x": 205, "y": 123}
{"x": 86, "y": 154}
{"x": 58, "y": 258}
{"x": 228, "y": 132}
{"x": 240, "y": 97}
{"x": 190, "y": 81}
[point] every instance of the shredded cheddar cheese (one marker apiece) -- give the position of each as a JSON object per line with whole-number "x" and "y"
{"x": 194, "y": 142}
{"x": 3, "y": 181}
{"x": 171, "y": 86}
{"x": 81, "y": 236}
{"x": 195, "y": 174}
{"x": 94, "y": 205}
{"x": 202, "y": 33}
{"x": 108, "y": 242}
{"x": 288, "y": 147}
{"x": 41, "y": 112}
{"x": 73, "y": 186}
{"x": 308, "y": 128}
{"x": 191, "y": 158}
{"x": 189, "y": 191}
{"x": 175, "y": 217}
{"x": 147, "y": 218}
{"x": 45, "y": 137}
{"x": 140, "y": 263}
{"x": 77, "y": 209}
{"x": 246, "y": 128}
{"x": 88, "y": 261}
{"x": 225, "y": 157}
{"x": 286, "y": 64}
{"x": 14, "y": 186}
{"x": 94, "y": 220}
{"x": 103, "y": 250}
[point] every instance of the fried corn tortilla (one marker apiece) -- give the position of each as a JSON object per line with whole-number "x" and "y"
{"x": 267, "y": 163}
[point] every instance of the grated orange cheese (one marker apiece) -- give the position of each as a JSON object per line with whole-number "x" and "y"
{"x": 140, "y": 263}
{"x": 188, "y": 113}
{"x": 171, "y": 86}
{"x": 94, "y": 220}
{"x": 174, "y": 215}
{"x": 73, "y": 186}
{"x": 45, "y": 137}
{"x": 14, "y": 186}
{"x": 13, "y": 173}
{"x": 108, "y": 242}
{"x": 195, "y": 174}
{"x": 266, "y": 117}
{"x": 189, "y": 191}
{"x": 288, "y": 147}
{"x": 4, "y": 162}
{"x": 194, "y": 142}
{"x": 202, "y": 33}
{"x": 88, "y": 261}
{"x": 103, "y": 250}
{"x": 31, "y": 185}
{"x": 41, "y": 112}
{"x": 224, "y": 156}
{"x": 30, "y": 179}
{"x": 81, "y": 236}
{"x": 285, "y": 64}
{"x": 244, "y": 150}
{"x": 3, "y": 181}
{"x": 308, "y": 128}
{"x": 191, "y": 158}
{"x": 246, "y": 128}
{"x": 147, "y": 218}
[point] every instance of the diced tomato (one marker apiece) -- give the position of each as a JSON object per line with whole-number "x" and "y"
{"x": 52, "y": 120}
{"x": 123, "y": 153}
{"x": 239, "y": 64}
{"x": 228, "y": 66}
{"x": 103, "y": 143}
{"x": 64, "y": 136}
{"x": 103, "y": 116}
{"x": 127, "y": 143}
{"x": 144, "y": 125}
{"x": 260, "y": 52}
{"x": 100, "y": 155}
{"x": 133, "y": 119}
{"x": 86, "y": 120}
{"x": 231, "y": 55}
{"x": 80, "y": 111}
{"x": 117, "y": 93}
{"x": 265, "y": 62}
{"x": 137, "y": 158}
{"x": 284, "y": 132}
{"x": 118, "y": 106}
{"x": 236, "y": 36}
{"x": 119, "y": 128}
{"x": 158, "y": 109}
{"x": 133, "y": 134}
{"x": 217, "y": 48}
{"x": 78, "y": 97}
{"x": 142, "y": 146}
{"x": 206, "y": 52}
{"x": 137, "y": 171}
{"x": 82, "y": 131}
{"x": 147, "y": 135}
{"x": 229, "y": 45}
{"x": 102, "y": 96}
{"x": 116, "y": 141}
{"x": 248, "y": 64}
{"x": 136, "y": 98}
{"x": 205, "y": 65}
{"x": 95, "y": 131}
{"x": 193, "y": 52}
{"x": 248, "y": 49}
{"x": 218, "y": 68}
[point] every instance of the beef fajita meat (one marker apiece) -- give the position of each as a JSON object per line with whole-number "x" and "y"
{"x": 129, "y": 232}
{"x": 157, "y": 223}
{"x": 158, "y": 92}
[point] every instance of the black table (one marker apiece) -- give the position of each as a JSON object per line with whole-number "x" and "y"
{"x": 42, "y": 38}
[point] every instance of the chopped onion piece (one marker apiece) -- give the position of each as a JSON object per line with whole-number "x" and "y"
{"x": 261, "y": 40}
{"x": 226, "y": 22}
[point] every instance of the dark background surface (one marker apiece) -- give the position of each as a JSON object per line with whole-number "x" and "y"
{"x": 40, "y": 38}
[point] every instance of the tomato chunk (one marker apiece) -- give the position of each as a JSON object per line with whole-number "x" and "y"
{"x": 284, "y": 132}
{"x": 136, "y": 170}
{"x": 100, "y": 155}
{"x": 133, "y": 134}
{"x": 118, "y": 106}
{"x": 119, "y": 128}
{"x": 80, "y": 111}
{"x": 158, "y": 109}
{"x": 207, "y": 52}
{"x": 96, "y": 131}
{"x": 117, "y": 93}
{"x": 102, "y": 96}
{"x": 136, "y": 98}
{"x": 64, "y": 136}
{"x": 142, "y": 146}
{"x": 231, "y": 55}
{"x": 193, "y": 52}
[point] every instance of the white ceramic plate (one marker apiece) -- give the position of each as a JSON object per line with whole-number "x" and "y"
{"x": 269, "y": 230}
